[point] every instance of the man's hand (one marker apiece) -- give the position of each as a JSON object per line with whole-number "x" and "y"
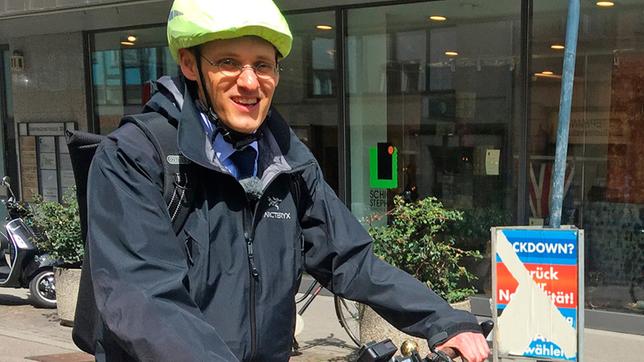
{"x": 472, "y": 347}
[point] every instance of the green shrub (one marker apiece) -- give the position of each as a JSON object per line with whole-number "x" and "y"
{"x": 472, "y": 232}
{"x": 57, "y": 227}
{"x": 415, "y": 241}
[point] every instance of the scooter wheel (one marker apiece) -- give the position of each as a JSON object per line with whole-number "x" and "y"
{"x": 43, "y": 289}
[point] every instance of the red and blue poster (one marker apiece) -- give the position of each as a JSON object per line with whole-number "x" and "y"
{"x": 537, "y": 294}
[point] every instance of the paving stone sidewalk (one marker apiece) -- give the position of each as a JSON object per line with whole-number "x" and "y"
{"x": 32, "y": 334}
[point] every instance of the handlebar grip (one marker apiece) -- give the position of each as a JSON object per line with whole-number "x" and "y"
{"x": 447, "y": 353}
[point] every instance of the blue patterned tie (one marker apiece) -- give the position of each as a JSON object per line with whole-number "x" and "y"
{"x": 244, "y": 160}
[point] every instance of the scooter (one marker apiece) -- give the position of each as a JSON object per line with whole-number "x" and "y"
{"x": 22, "y": 265}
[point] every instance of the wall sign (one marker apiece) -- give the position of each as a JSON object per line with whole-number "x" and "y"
{"x": 45, "y": 128}
{"x": 537, "y": 281}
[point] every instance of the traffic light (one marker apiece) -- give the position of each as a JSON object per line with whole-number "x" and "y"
{"x": 383, "y": 166}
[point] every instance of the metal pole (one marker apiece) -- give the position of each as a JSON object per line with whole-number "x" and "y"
{"x": 565, "y": 102}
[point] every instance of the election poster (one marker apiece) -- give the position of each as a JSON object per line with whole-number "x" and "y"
{"x": 538, "y": 293}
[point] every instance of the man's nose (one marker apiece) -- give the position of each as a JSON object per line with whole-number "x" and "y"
{"x": 248, "y": 79}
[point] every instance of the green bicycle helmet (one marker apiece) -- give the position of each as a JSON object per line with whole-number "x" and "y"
{"x": 195, "y": 22}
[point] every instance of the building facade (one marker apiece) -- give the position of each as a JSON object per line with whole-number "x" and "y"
{"x": 467, "y": 91}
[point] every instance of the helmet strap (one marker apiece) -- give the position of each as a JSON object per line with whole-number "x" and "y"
{"x": 237, "y": 139}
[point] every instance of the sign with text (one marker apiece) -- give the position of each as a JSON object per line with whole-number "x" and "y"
{"x": 44, "y": 128}
{"x": 538, "y": 292}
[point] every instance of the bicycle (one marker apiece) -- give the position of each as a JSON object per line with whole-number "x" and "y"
{"x": 346, "y": 311}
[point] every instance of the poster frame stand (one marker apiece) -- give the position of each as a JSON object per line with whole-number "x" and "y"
{"x": 580, "y": 293}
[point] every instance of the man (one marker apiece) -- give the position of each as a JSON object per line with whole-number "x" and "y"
{"x": 223, "y": 288}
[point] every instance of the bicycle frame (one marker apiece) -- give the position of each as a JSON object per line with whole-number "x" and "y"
{"x": 313, "y": 290}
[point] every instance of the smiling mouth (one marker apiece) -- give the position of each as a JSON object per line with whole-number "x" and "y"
{"x": 247, "y": 102}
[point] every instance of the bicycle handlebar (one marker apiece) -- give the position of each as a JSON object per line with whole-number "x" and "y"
{"x": 449, "y": 353}
{"x": 384, "y": 351}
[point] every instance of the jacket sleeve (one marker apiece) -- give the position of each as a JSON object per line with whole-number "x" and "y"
{"x": 339, "y": 255}
{"x": 138, "y": 265}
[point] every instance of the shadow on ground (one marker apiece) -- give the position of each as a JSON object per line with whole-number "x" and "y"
{"x": 12, "y": 300}
{"x": 353, "y": 356}
{"x": 343, "y": 351}
{"x": 51, "y": 315}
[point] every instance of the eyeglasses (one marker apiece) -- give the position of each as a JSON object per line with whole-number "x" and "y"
{"x": 232, "y": 68}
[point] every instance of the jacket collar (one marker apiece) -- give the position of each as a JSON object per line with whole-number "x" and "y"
{"x": 191, "y": 138}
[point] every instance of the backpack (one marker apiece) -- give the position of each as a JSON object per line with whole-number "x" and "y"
{"x": 177, "y": 193}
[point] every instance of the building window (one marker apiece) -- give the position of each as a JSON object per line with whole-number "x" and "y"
{"x": 123, "y": 62}
{"x": 307, "y": 94}
{"x": 443, "y": 94}
{"x": 603, "y": 188}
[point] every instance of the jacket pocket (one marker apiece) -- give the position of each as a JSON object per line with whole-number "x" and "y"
{"x": 192, "y": 246}
{"x": 195, "y": 239}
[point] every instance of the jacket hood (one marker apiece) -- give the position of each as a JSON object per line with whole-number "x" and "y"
{"x": 278, "y": 146}
{"x": 167, "y": 98}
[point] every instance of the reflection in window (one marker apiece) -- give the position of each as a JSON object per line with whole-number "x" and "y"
{"x": 307, "y": 95}
{"x": 121, "y": 72}
{"x": 106, "y": 74}
{"x": 323, "y": 67}
{"x": 443, "y": 94}
{"x": 604, "y": 193}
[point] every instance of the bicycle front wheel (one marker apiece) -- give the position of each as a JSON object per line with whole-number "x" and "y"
{"x": 348, "y": 313}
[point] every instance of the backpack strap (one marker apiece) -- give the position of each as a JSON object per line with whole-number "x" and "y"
{"x": 177, "y": 190}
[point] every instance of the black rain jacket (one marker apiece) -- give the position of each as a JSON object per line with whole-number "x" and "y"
{"x": 223, "y": 289}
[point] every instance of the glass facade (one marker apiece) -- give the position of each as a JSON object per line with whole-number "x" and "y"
{"x": 307, "y": 95}
{"x": 604, "y": 193}
{"x": 442, "y": 93}
{"x": 123, "y": 63}
{"x": 442, "y": 83}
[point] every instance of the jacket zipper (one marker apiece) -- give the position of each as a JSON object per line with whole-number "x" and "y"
{"x": 254, "y": 278}
{"x": 249, "y": 235}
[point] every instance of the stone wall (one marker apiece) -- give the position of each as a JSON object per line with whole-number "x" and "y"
{"x": 51, "y": 88}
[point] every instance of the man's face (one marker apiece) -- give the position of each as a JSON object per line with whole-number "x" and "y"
{"x": 241, "y": 101}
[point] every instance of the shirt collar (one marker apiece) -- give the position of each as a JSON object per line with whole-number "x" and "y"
{"x": 224, "y": 150}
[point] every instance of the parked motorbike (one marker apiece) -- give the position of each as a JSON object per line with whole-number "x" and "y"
{"x": 22, "y": 265}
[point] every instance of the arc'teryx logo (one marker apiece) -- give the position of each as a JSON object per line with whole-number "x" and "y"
{"x": 275, "y": 202}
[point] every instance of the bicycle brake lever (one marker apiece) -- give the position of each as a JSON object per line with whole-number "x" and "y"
{"x": 487, "y": 327}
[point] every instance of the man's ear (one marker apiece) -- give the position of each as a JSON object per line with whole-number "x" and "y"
{"x": 188, "y": 64}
